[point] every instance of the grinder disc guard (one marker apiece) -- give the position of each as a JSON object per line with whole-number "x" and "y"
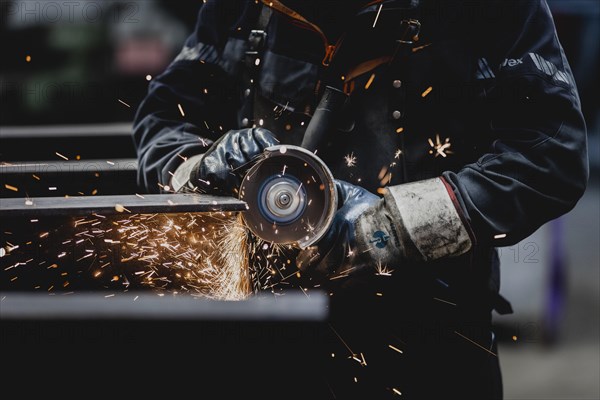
{"x": 290, "y": 195}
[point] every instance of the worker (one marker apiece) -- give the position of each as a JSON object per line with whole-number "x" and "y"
{"x": 463, "y": 133}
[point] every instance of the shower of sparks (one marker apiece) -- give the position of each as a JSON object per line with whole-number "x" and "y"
{"x": 10, "y": 187}
{"x": 61, "y": 156}
{"x": 476, "y": 344}
{"x": 500, "y": 236}
{"x": 28, "y": 58}
{"x": 438, "y": 148}
{"x": 342, "y": 340}
{"x": 400, "y": 130}
{"x": 370, "y": 81}
{"x": 441, "y": 282}
{"x": 382, "y": 270}
{"x": 445, "y": 301}
{"x": 364, "y": 362}
{"x": 395, "y": 348}
{"x": 419, "y": 48}
{"x": 233, "y": 283}
{"x": 205, "y": 255}
{"x": 350, "y": 160}
{"x": 426, "y": 91}
{"x": 119, "y": 208}
{"x": 180, "y": 110}
{"x": 125, "y": 104}
{"x": 396, "y": 391}
{"x": 377, "y": 16}
{"x": 196, "y": 254}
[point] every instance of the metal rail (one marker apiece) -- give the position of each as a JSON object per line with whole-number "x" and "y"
{"x": 58, "y": 167}
{"x": 107, "y": 205}
{"x": 149, "y": 306}
{"x": 65, "y": 131}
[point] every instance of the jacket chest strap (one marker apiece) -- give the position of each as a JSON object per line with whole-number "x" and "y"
{"x": 252, "y": 63}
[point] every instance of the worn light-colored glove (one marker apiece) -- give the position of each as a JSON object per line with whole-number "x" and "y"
{"x": 415, "y": 221}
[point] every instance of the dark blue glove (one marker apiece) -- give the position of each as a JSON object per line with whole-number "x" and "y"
{"x": 222, "y": 168}
{"x": 337, "y": 250}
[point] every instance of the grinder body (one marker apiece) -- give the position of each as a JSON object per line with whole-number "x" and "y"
{"x": 289, "y": 191}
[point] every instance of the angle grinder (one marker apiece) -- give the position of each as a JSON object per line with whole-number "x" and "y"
{"x": 290, "y": 193}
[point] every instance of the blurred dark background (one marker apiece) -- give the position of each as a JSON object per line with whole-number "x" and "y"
{"x": 73, "y": 73}
{"x": 78, "y": 62}
{"x": 68, "y": 63}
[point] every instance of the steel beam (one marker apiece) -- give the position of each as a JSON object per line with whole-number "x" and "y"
{"x": 68, "y": 167}
{"x": 107, "y": 205}
{"x": 65, "y": 131}
{"x": 149, "y": 306}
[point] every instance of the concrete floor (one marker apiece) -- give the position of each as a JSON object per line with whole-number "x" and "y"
{"x": 569, "y": 368}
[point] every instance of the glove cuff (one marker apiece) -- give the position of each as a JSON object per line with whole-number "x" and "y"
{"x": 415, "y": 221}
{"x": 425, "y": 215}
{"x": 181, "y": 180}
{"x": 378, "y": 237}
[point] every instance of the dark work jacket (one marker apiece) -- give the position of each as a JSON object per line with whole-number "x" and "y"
{"x": 488, "y": 78}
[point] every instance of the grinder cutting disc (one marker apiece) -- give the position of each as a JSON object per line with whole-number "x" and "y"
{"x": 290, "y": 195}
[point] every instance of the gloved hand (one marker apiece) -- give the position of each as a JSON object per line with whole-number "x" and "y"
{"x": 416, "y": 221}
{"x": 337, "y": 251}
{"x": 221, "y": 169}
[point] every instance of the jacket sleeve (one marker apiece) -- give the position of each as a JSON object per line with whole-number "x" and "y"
{"x": 188, "y": 106}
{"x": 536, "y": 168}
